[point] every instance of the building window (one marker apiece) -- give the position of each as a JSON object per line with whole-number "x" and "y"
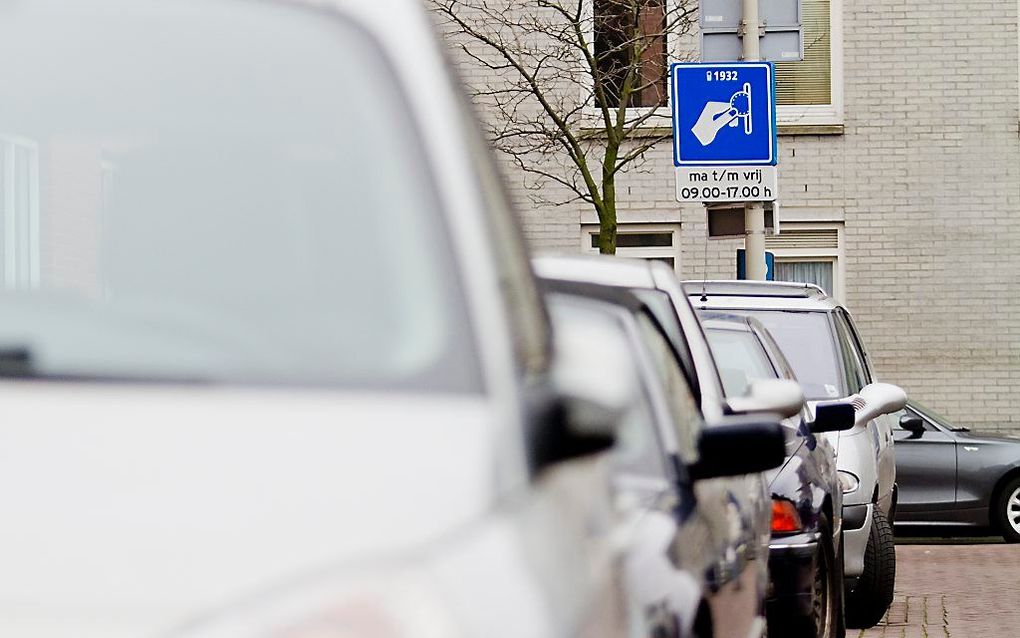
{"x": 645, "y": 241}
{"x": 630, "y": 51}
{"x": 820, "y": 272}
{"x": 810, "y": 91}
{"x": 809, "y": 253}
{"x": 19, "y": 213}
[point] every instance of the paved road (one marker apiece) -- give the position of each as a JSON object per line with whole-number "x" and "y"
{"x": 953, "y": 591}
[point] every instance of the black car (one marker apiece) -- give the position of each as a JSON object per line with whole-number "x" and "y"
{"x": 950, "y": 477}
{"x": 805, "y": 566}
{"x": 690, "y": 564}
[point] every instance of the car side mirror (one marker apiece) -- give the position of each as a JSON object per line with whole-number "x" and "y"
{"x": 833, "y": 416}
{"x": 876, "y": 399}
{"x": 913, "y": 424}
{"x": 595, "y": 388}
{"x": 769, "y": 396}
{"x": 739, "y": 446}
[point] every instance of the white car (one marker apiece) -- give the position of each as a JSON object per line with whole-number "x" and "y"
{"x": 820, "y": 341}
{"x": 272, "y": 362}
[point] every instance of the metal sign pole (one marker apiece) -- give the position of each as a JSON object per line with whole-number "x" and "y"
{"x": 754, "y": 213}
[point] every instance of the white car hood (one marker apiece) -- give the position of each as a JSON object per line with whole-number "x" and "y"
{"x": 127, "y": 510}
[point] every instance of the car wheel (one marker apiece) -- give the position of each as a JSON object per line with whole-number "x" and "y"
{"x": 827, "y": 598}
{"x": 1007, "y": 511}
{"x": 826, "y": 619}
{"x": 873, "y": 593}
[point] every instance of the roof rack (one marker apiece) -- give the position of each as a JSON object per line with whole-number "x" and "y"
{"x": 745, "y": 288}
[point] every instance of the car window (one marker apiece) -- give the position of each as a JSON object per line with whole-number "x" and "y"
{"x": 662, "y": 308}
{"x": 931, "y": 414}
{"x": 197, "y": 218}
{"x": 853, "y": 366}
{"x": 638, "y": 449}
{"x": 775, "y": 354}
{"x": 810, "y": 346}
{"x": 682, "y": 405}
{"x": 855, "y": 337}
{"x": 522, "y": 299}
{"x": 740, "y": 358}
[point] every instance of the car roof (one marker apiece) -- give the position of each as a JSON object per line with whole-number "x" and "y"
{"x": 777, "y": 295}
{"x": 596, "y": 269}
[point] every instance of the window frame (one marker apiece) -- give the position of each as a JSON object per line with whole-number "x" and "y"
{"x": 650, "y": 252}
{"x": 786, "y": 115}
{"x": 823, "y": 114}
{"x": 836, "y": 255}
{"x": 658, "y": 116}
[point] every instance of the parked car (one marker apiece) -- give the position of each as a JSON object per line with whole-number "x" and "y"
{"x": 680, "y": 564}
{"x": 656, "y": 286}
{"x": 272, "y": 359}
{"x": 805, "y": 555}
{"x": 819, "y": 339}
{"x": 949, "y": 476}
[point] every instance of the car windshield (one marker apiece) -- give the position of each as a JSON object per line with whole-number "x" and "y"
{"x": 931, "y": 414}
{"x": 178, "y": 206}
{"x": 807, "y": 341}
{"x": 740, "y": 358}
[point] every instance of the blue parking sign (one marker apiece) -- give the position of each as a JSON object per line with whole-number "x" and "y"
{"x": 723, "y": 113}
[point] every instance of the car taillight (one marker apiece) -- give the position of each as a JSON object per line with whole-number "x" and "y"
{"x": 785, "y": 518}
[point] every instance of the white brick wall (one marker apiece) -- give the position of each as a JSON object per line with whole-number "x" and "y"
{"x": 927, "y": 178}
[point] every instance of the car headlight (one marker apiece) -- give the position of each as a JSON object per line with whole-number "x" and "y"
{"x": 848, "y": 481}
{"x": 393, "y": 606}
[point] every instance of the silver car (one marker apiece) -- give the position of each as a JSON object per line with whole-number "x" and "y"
{"x": 818, "y": 337}
{"x": 272, "y": 362}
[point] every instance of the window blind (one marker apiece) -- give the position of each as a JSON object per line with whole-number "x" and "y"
{"x": 794, "y": 238}
{"x": 809, "y": 82}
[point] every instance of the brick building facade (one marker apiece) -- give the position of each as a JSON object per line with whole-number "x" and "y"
{"x": 905, "y": 190}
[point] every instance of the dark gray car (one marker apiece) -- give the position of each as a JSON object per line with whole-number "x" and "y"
{"x": 948, "y": 476}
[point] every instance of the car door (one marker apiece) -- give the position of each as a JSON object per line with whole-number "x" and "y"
{"x": 663, "y": 563}
{"x": 732, "y": 507}
{"x": 925, "y": 470}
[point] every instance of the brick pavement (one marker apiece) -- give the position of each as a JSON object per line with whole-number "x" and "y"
{"x": 953, "y": 591}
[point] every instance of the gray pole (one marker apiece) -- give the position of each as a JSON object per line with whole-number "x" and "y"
{"x": 754, "y": 213}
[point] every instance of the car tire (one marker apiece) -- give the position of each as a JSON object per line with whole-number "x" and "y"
{"x": 1007, "y": 511}
{"x": 873, "y": 592}
{"x": 827, "y": 621}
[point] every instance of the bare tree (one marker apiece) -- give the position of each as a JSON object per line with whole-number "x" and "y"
{"x": 572, "y": 86}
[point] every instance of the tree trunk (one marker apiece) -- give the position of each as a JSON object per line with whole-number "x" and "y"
{"x": 607, "y": 228}
{"x": 607, "y": 213}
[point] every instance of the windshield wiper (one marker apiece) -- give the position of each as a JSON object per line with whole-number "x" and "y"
{"x": 16, "y": 362}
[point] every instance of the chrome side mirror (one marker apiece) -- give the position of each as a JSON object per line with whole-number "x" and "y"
{"x": 769, "y": 396}
{"x": 876, "y": 399}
